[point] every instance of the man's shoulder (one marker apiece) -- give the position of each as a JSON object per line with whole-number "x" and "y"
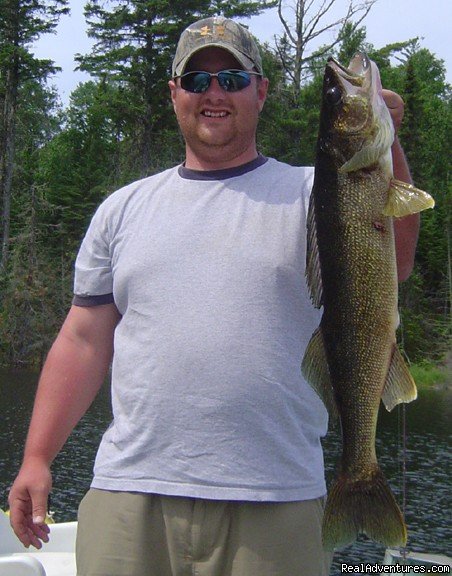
{"x": 136, "y": 192}
{"x": 274, "y": 171}
{"x": 278, "y": 165}
{"x": 141, "y": 186}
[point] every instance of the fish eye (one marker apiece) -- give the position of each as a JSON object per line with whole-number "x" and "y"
{"x": 333, "y": 95}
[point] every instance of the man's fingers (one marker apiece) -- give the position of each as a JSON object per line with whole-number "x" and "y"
{"x": 395, "y": 105}
{"x": 392, "y": 99}
{"x": 37, "y": 534}
{"x": 23, "y": 533}
{"x": 38, "y": 528}
{"x": 39, "y": 507}
{"x": 28, "y": 510}
{"x": 19, "y": 513}
{"x": 27, "y": 531}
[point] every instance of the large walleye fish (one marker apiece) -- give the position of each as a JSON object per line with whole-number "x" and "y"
{"x": 352, "y": 360}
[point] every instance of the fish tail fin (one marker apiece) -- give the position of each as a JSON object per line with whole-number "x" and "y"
{"x": 362, "y": 506}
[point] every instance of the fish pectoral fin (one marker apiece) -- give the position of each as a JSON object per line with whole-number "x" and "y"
{"x": 367, "y": 156}
{"x": 372, "y": 153}
{"x": 399, "y": 386}
{"x": 313, "y": 273}
{"x": 315, "y": 369}
{"x": 405, "y": 199}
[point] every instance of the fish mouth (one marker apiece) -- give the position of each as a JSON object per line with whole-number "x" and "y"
{"x": 358, "y": 77}
{"x": 359, "y": 65}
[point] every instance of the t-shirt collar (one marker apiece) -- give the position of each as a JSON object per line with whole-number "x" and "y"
{"x": 223, "y": 174}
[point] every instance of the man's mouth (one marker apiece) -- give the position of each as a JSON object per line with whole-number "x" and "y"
{"x": 212, "y": 114}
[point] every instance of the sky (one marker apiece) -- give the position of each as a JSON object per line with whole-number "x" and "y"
{"x": 388, "y": 21}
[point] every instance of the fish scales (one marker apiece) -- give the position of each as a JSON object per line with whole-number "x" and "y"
{"x": 352, "y": 360}
{"x": 357, "y": 325}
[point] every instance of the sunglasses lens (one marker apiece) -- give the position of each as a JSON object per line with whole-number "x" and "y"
{"x": 233, "y": 81}
{"x": 195, "y": 81}
{"x": 229, "y": 80}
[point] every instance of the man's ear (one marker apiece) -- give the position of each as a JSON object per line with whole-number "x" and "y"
{"x": 262, "y": 89}
{"x": 173, "y": 89}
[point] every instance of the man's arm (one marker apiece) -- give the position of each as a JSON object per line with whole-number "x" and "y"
{"x": 72, "y": 375}
{"x": 406, "y": 229}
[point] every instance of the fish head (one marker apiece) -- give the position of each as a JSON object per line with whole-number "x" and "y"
{"x": 356, "y": 129}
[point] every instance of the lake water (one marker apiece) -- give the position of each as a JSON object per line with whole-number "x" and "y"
{"x": 427, "y": 449}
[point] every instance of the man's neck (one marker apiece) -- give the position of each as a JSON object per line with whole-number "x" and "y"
{"x": 194, "y": 162}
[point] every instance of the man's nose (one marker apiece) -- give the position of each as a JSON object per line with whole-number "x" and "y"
{"x": 214, "y": 87}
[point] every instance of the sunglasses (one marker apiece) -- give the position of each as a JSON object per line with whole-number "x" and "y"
{"x": 230, "y": 80}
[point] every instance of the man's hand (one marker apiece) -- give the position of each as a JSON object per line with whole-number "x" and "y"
{"x": 28, "y": 503}
{"x": 395, "y": 105}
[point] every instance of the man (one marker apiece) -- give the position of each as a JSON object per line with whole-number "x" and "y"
{"x": 192, "y": 280}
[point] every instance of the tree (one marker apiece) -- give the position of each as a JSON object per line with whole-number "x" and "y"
{"x": 88, "y": 147}
{"x": 287, "y": 131}
{"x": 38, "y": 120}
{"x": 353, "y": 39}
{"x": 135, "y": 42}
{"x": 30, "y": 285}
{"x": 21, "y": 22}
{"x": 35, "y": 292}
{"x": 426, "y": 137}
{"x": 304, "y": 21}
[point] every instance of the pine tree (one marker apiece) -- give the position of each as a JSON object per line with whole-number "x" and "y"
{"x": 21, "y": 23}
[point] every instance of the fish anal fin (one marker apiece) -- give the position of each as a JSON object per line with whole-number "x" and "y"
{"x": 315, "y": 369}
{"x": 400, "y": 386}
{"x": 405, "y": 199}
{"x": 313, "y": 273}
{"x": 365, "y": 506}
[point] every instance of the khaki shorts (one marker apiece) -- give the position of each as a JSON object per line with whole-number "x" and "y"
{"x": 133, "y": 534}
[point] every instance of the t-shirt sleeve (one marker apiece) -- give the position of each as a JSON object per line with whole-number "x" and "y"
{"x": 93, "y": 282}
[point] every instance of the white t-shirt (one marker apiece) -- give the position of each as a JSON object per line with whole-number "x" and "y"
{"x": 207, "y": 270}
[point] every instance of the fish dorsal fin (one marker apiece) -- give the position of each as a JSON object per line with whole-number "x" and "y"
{"x": 313, "y": 273}
{"x": 399, "y": 386}
{"x": 405, "y": 199}
{"x": 315, "y": 369}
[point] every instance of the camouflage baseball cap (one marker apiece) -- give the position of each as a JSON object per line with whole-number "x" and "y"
{"x": 219, "y": 32}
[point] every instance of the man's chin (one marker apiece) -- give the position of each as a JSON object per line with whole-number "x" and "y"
{"x": 213, "y": 138}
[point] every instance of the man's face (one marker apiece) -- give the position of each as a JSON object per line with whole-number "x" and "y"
{"x": 219, "y": 127}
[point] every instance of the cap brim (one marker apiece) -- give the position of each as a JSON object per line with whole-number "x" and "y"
{"x": 243, "y": 60}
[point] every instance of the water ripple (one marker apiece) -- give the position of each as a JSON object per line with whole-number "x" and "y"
{"x": 428, "y": 501}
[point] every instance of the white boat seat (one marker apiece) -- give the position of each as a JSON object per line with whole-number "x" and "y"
{"x": 21, "y": 565}
{"x": 38, "y": 564}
